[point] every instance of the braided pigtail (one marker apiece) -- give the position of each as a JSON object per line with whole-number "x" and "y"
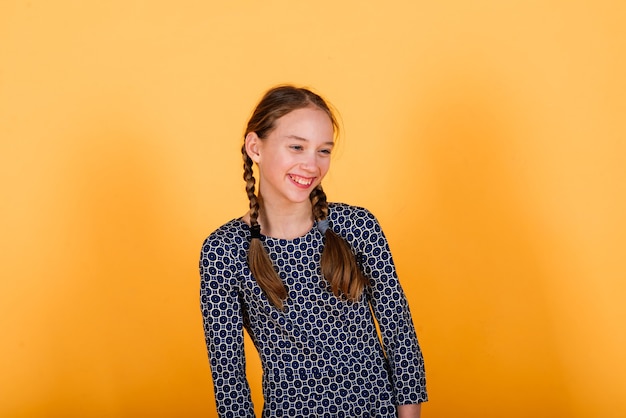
{"x": 276, "y": 103}
{"x": 258, "y": 260}
{"x": 338, "y": 263}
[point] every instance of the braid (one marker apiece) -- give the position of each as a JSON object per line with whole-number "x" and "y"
{"x": 338, "y": 263}
{"x": 319, "y": 204}
{"x": 259, "y": 261}
{"x": 248, "y": 176}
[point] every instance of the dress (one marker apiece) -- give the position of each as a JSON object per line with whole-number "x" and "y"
{"x": 321, "y": 356}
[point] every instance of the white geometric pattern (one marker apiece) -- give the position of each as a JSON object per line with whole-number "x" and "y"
{"x": 321, "y": 356}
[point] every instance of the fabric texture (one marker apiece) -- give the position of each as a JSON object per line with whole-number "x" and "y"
{"x": 321, "y": 356}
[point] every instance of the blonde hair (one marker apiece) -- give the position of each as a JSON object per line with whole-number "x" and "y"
{"x": 338, "y": 263}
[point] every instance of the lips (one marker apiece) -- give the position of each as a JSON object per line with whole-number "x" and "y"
{"x": 301, "y": 181}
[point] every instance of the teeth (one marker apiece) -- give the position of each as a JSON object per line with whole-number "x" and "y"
{"x": 302, "y": 181}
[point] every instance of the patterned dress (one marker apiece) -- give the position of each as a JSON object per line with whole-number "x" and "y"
{"x": 321, "y": 356}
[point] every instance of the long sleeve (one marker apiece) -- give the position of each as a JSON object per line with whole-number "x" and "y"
{"x": 392, "y": 312}
{"x": 223, "y": 327}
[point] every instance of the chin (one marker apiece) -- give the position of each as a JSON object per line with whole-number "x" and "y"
{"x": 305, "y": 197}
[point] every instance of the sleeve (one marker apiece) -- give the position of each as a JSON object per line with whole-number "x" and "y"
{"x": 223, "y": 329}
{"x": 392, "y": 313}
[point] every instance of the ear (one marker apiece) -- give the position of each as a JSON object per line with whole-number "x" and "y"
{"x": 253, "y": 143}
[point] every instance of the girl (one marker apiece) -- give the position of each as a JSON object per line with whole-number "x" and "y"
{"x": 305, "y": 278}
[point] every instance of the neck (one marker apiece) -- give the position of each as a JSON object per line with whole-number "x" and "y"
{"x": 285, "y": 222}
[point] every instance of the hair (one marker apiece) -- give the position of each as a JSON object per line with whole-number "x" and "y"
{"x": 339, "y": 266}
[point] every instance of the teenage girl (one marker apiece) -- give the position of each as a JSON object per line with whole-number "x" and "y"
{"x": 306, "y": 279}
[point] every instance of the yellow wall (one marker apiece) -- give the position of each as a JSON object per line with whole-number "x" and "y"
{"x": 488, "y": 137}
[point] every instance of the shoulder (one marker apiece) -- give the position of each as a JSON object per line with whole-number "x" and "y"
{"x": 353, "y": 223}
{"x": 341, "y": 213}
{"x": 232, "y": 235}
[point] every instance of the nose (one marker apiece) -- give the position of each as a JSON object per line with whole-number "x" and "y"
{"x": 308, "y": 161}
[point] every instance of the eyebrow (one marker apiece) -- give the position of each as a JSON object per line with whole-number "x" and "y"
{"x": 299, "y": 138}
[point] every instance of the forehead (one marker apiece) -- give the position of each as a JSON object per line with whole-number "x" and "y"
{"x": 307, "y": 123}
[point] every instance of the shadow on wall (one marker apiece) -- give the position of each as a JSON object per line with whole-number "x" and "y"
{"x": 492, "y": 348}
{"x": 122, "y": 321}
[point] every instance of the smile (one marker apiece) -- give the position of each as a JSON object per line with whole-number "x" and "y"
{"x": 303, "y": 181}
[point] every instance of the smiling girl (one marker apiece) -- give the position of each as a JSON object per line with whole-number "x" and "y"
{"x": 307, "y": 280}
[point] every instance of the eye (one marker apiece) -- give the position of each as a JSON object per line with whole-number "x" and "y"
{"x": 326, "y": 151}
{"x": 296, "y": 147}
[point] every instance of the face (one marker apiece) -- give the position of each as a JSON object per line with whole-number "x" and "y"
{"x": 294, "y": 158}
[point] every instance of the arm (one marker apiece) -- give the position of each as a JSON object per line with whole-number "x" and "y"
{"x": 392, "y": 313}
{"x": 223, "y": 329}
{"x": 410, "y": 411}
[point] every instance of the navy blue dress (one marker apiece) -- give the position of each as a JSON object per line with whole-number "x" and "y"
{"x": 321, "y": 356}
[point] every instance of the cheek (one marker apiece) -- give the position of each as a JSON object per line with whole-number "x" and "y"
{"x": 325, "y": 166}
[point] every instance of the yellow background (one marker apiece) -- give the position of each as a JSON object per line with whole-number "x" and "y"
{"x": 487, "y": 136}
